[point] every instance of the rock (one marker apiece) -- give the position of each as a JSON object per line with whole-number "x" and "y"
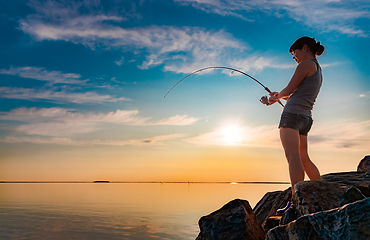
{"x": 347, "y": 178}
{"x": 234, "y": 221}
{"x": 269, "y": 203}
{"x": 315, "y": 196}
{"x": 360, "y": 180}
{"x": 351, "y": 221}
{"x": 364, "y": 165}
{"x": 336, "y": 207}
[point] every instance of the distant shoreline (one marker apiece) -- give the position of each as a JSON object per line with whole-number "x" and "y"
{"x": 127, "y": 182}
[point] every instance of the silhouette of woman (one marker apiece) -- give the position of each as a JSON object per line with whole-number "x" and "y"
{"x": 296, "y": 119}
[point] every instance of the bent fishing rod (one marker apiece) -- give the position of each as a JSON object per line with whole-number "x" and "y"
{"x": 263, "y": 99}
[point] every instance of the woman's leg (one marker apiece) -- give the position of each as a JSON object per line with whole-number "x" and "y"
{"x": 309, "y": 167}
{"x": 290, "y": 140}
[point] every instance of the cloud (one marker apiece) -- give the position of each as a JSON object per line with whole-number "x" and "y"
{"x": 65, "y": 122}
{"x": 68, "y": 141}
{"x": 327, "y": 15}
{"x": 258, "y": 63}
{"x": 337, "y": 135}
{"x": 60, "y": 122}
{"x": 365, "y": 95}
{"x": 178, "y": 49}
{"x": 55, "y": 95}
{"x": 162, "y": 138}
{"x": 120, "y": 62}
{"x": 177, "y": 120}
{"x": 41, "y": 74}
{"x": 50, "y": 91}
{"x": 161, "y": 45}
{"x": 246, "y": 136}
{"x": 343, "y": 134}
{"x": 38, "y": 140}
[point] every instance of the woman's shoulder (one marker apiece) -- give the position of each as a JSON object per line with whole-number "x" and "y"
{"x": 309, "y": 66}
{"x": 307, "y": 62}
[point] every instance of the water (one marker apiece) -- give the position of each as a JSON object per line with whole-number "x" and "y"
{"x": 115, "y": 211}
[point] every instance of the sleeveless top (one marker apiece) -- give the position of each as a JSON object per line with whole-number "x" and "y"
{"x": 303, "y": 98}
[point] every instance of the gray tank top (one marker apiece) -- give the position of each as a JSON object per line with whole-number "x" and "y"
{"x": 301, "y": 101}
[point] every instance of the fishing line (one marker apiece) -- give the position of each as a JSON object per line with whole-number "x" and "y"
{"x": 263, "y": 99}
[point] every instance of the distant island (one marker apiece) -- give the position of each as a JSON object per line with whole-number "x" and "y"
{"x": 101, "y": 182}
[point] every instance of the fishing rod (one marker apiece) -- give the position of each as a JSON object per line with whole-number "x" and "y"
{"x": 263, "y": 99}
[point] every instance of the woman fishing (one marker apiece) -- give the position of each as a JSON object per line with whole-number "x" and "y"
{"x": 296, "y": 119}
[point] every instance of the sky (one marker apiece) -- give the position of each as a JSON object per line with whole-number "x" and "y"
{"x": 82, "y": 87}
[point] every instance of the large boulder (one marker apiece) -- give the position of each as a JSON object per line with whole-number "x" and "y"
{"x": 351, "y": 221}
{"x": 360, "y": 180}
{"x": 347, "y": 178}
{"x": 268, "y": 205}
{"x": 315, "y": 196}
{"x": 364, "y": 165}
{"x": 234, "y": 221}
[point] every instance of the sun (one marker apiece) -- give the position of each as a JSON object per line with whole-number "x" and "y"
{"x": 232, "y": 135}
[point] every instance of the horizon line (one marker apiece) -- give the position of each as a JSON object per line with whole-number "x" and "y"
{"x": 161, "y": 182}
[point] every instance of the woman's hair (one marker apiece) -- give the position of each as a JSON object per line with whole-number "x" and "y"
{"x": 315, "y": 47}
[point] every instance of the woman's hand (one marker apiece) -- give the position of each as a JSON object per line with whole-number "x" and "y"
{"x": 273, "y": 98}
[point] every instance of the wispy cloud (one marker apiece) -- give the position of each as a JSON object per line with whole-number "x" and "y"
{"x": 341, "y": 135}
{"x": 42, "y": 74}
{"x": 171, "y": 46}
{"x": 177, "y": 120}
{"x": 120, "y": 62}
{"x": 178, "y": 49}
{"x": 258, "y": 63}
{"x": 56, "y": 95}
{"x": 327, "y": 15}
{"x": 60, "y": 122}
{"x": 365, "y": 95}
{"x": 69, "y": 141}
{"x": 67, "y": 83}
{"x": 38, "y": 140}
{"x": 247, "y": 136}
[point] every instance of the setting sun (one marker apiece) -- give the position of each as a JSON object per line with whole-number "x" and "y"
{"x": 232, "y": 135}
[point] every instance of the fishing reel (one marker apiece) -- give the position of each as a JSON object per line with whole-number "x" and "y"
{"x": 265, "y": 100}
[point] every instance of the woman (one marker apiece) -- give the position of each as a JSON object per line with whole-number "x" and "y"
{"x": 296, "y": 120}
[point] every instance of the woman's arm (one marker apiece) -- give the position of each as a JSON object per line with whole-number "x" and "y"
{"x": 304, "y": 69}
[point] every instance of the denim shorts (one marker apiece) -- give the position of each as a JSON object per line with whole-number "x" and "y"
{"x": 299, "y": 122}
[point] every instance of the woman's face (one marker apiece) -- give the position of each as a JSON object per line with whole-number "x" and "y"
{"x": 297, "y": 55}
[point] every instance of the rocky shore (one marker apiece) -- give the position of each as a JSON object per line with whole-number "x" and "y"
{"x": 336, "y": 207}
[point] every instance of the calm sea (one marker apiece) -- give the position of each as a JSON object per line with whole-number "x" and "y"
{"x": 115, "y": 210}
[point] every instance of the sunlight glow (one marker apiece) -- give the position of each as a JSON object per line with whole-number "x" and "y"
{"x": 232, "y": 135}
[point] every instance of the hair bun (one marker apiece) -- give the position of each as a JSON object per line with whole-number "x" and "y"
{"x": 320, "y": 49}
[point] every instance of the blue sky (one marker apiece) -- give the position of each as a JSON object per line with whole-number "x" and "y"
{"x": 82, "y": 86}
